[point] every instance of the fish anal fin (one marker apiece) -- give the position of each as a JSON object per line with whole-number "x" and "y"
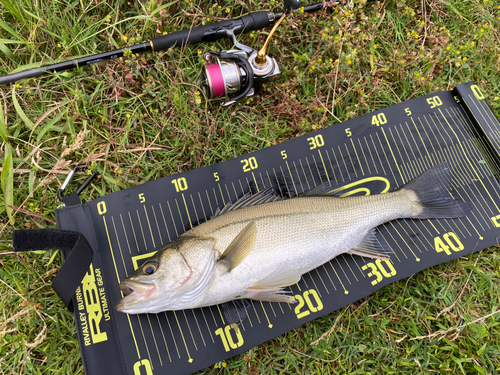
{"x": 240, "y": 247}
{"x": 373, "y": 246}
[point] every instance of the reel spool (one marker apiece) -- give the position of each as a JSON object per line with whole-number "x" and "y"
{"x": 232, "y": 76}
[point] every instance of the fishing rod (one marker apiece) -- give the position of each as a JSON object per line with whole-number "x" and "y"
{"x": 235, "y": 74}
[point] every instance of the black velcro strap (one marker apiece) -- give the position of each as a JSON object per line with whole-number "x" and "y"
{"x": 77, "y": 262}
{"x": 71, "y": 199}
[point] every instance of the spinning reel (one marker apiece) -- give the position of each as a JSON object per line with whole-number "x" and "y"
{"x": 239, "y": 73}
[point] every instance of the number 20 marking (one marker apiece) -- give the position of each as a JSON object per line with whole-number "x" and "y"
{"x": 306, "y": 299}
{"x": 249, "y": 164}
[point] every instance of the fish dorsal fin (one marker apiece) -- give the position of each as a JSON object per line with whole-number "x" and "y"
{"x": 326, "y": 188}
{"x": 240, "y": 247}
{"x": 373, "y": 246}
{"x": 264, "y": 196}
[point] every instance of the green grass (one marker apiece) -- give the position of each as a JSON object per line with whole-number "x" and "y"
{"x": 140, "y": 118}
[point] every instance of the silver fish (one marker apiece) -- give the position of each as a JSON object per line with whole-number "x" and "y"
{"x": 260, "y": 245}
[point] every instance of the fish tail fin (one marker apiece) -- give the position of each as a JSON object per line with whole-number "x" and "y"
{"x": 432, "y": 189}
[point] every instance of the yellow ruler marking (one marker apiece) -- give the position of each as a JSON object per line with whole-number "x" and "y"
{"x": 125, "y": 233}
{"x": 190, "y": 331}
{"x": 228, "y": 194}
{"x": 298, "y": 175}
{"x": 331, "y": 166}
{"x": 479, "y": 110}
{"x": 371, "y": 155}
{"x": 144, "y": 337}
{"x": 348, "y": 265}
{"x": 142, "y": 230}
{"x": 378, "y": 155}
{"x": 315, "y": 286}
{"x": 199, "y": 330}
{"x": 209, "y": 203}
{"x": 133, "y": 231}
{"x": 284, "y": 179}
{"x": 404, "y": 148}
{"x": 254, "y": 309}
{"x": 173, "y": 337}
{"x": 202, "y": 206}
{"x": 269, "y": 325}
{"x": 338, "y": 166}
{"x": 165, "y": 223}
{"x": 470, "y": 163}
{"x": 256, "y": 184}
{"x": 279, "y": 185}
{"x": 305, "y": 176}
{"x": 421, "y": 140}
{"x": 322, "y": 282}
{"x": 157, "y": 225}
{"x": 350, "y": 159}
{"x": 328, "y": 274}
{"x": 338, "y": 277}
{"x": 324, "y": 166}
{"x": 397, "y": 244}
{"x": 269, "y": 179}
{"x": 343, "y": 271}
{"x": 172, "y": 217}
{"x": 183, "y": 339}
{"x": 206, "y": 323}
{"x": 164, "y": 339}
{"x": 357, "y": 157}
{"x": 118, "y": 242}
{"x": 364, "y": 156}
{"x": 317, "y": 169}
{"x": 194, "y": 208}
{"x": 133, "y": 336}
{"x": 291, "y": 176}
{"x": 392, "y": 153}
{"x": 222, "y": 196}
{"x": 154, "y": 340}
{"x": 118, "y": 279}
{"x": 149, "y": 225}
{"x": 422, "y": 159}
{"x": 187, "y": 210}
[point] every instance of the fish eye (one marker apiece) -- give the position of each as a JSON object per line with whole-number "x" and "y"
{"x": 149, "y": 268}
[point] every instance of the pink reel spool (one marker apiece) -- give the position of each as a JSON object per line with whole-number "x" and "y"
{"x": 223, "y": 78}
{"x": 215, "y": 80}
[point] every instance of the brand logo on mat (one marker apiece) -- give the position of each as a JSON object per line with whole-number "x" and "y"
{"x": 92, "y": 307}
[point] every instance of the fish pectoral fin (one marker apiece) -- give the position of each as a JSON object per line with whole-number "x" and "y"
{"x": 240, "y": 247}
{"x": 373, "y": 246}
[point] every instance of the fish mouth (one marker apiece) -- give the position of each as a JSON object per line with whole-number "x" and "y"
{"x": 136, "y": 293}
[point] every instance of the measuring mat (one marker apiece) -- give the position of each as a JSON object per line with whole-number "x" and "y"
{"x": 372, "y": 154}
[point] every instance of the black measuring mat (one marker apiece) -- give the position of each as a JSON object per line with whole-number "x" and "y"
{"x": 372, "y": 154}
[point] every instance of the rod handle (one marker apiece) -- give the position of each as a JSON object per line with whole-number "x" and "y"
{"x": 213, "y": 31}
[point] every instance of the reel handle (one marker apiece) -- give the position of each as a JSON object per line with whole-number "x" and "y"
{"x": 213, "y": 31}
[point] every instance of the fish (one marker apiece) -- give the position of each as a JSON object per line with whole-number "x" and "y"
{"x": 261, "y": 244}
